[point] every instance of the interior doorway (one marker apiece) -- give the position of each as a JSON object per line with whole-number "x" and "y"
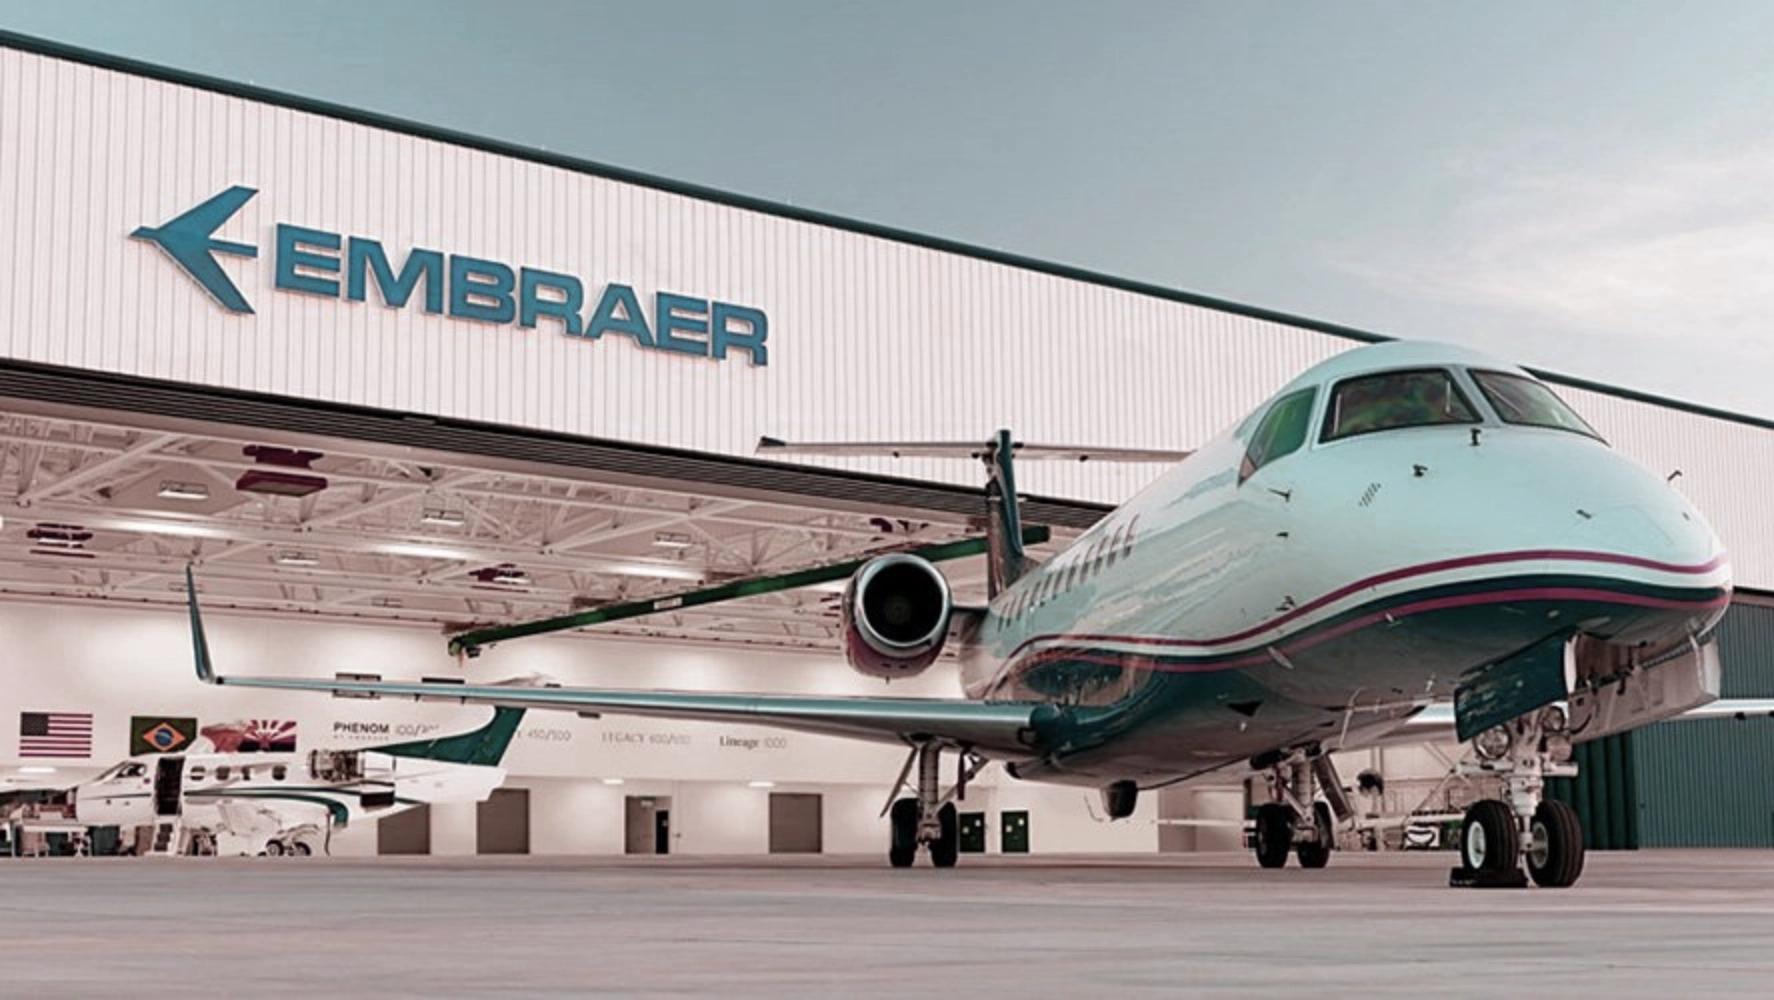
{"x": 406, "y": 832}
{"x": 1013, "y": 832}
{"x": 796, "y": 823}
{"x": 502, "y": 822}
{"x": 646, "y": 824}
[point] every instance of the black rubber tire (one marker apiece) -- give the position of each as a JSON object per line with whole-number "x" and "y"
{"x": 1317, "y": 854}
{"x": 947, "y": 848}
{"x": 1489, "y": 838}
{"x": 1557, "y": 858}
{"x": 902, "y": 849}
{"x": 1274, "y": 833}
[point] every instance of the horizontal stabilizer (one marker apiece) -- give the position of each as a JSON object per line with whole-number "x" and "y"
{"x": 965, "y": 449}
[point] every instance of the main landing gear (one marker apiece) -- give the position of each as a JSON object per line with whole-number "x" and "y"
{"x": 1498, "y": 835}
{"x": 1297, "y": 822}
{"x": 928, "y": 819}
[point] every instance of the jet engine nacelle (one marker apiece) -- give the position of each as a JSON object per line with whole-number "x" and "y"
{"x": 896, "y": 616}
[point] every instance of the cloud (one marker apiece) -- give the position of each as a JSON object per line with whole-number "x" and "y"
{"x": 1659, "y": 248}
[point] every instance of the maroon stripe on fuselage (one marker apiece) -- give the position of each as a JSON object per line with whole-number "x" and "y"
{"x": 1234, "y": 661}
{"x": 1424, "y": 569}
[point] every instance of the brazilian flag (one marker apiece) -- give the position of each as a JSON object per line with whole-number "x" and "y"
{"x": 160, "y": 734}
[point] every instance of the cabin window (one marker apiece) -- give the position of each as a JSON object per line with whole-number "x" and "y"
{"x": 1281, "y": 433}
{"x": 1391, "y": 400}
{"x": 279, "y": 772}
{"x": 1521, "y": 400}
{"x": 246, "y": 774}
{"x": 197, "y": 772}
{"x": 223, "y": 772}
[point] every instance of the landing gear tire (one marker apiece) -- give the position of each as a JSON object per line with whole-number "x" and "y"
{"x": 1274, "y": 833}
{"x": 1555, "y": 858}
{"x": 274, "y": 849}
{"x": 1489, "y": 838}
{"x": 301, "y": 850}
{"x": 903, "y": 849}
{"x": 1317, "y": 853}
{"x": 946, "y": 849}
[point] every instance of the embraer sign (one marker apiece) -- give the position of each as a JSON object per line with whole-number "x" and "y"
{"x": 318, "y": 262}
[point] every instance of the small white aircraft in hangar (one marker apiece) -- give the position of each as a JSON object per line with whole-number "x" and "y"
{"x": 1400, "y": 526}
{"x": 286, "y": 803}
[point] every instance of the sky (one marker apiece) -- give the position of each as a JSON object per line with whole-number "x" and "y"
{"x": 1585, "y": 186}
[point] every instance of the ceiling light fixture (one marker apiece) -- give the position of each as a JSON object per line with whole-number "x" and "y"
{"x": 183, "y": 491}
{"x": 422, "y": 551}
{"x": 293, "y": 558}
{"x": 36, "y": 769}
{"x": 761, "y": 784}
{"x": 671, "y": 540}
{"x": 443, "y": 516}
{"x": 179, "y": 528}
{"x": 661, "y": 571}
{"x": 613, "y": 781}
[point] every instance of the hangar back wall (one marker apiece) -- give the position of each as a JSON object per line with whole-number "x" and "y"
{"x": 870, "y": 333}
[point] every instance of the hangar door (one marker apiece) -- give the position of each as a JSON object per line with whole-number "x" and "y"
{"x": 502, "y": 822}
{"x": 406, "y": 832}
{"x": 795, "y": 823}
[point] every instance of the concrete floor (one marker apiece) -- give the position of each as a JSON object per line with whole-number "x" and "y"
{"x": 1650, "y": 923}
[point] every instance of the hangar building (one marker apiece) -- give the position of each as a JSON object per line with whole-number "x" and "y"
{"x": 381, "y": 381}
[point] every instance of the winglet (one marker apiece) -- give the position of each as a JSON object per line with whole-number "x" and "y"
{"x": 206, "y": 670}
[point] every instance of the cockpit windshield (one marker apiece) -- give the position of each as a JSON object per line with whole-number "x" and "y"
{"x": 1521, "y": 400}
{"x": 1390, "y": 400}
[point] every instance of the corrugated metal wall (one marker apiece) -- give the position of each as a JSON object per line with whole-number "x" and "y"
{"x": 870, "y": 336}
{"x": 1711, "y": 784}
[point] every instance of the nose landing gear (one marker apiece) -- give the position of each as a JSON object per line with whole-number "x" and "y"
{"x": 1499, "y": 835}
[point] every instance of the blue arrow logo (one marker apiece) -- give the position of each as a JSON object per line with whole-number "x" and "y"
{"x": 188, "y": 241}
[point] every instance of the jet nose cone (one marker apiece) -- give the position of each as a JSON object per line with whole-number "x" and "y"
{"x": 1621, "y": 508}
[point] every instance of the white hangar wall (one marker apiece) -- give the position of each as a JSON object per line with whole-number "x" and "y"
{"x": 868, "y": 337}
{"x": 119, "y": 663}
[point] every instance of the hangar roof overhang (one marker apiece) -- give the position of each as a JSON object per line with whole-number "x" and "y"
{"x": 110, "y": 485}
{"x": 265, "y": 95}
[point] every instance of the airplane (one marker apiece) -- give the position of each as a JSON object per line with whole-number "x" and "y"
{"x": 287, "y": 803}
{"x": 1403, "y": 524}
{"x": 188, "y": 239}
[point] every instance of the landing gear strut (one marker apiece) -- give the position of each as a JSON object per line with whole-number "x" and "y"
{"x": 928, "y": 819}
{"x": 1498, "y": 835}
{"x": 1294, "y": 822}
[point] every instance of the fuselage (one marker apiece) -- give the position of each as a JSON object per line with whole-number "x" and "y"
{"x": 1390, "y": 522}
{"x": 328, "y": 788}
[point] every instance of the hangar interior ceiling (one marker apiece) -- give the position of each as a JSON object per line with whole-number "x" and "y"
{"x": 111, "y": 510}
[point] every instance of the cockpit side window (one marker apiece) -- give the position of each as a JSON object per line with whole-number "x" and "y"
{"x": 1282, "y": 431}
{"x": 1390, "y": 400}
{"x": 1521, "y": 400}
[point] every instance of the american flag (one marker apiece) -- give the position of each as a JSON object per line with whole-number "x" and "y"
{"x": 55, "y": 734}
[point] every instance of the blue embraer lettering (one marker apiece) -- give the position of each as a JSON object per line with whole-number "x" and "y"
{"x": 311, "y": 260}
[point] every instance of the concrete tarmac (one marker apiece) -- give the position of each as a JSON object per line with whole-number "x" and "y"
{"x": 1651, "y": 923}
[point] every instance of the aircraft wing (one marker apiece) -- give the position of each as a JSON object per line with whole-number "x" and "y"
{"x": 998, "y": 729}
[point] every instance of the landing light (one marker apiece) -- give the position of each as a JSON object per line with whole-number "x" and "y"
{"x": 1493, "y": 743}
